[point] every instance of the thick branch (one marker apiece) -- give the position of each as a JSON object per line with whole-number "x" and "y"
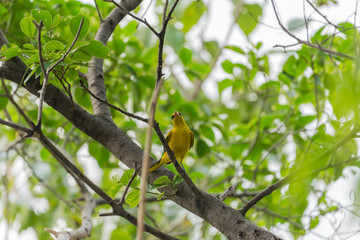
{"x": 95, "y": 74}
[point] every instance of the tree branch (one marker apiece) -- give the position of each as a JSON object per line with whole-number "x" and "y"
{"x": 95, "y": 74}
{"x": 299, "y": 41}
{"x": 229, "y": 192}
{"x": 145, "y": 120}
{"x": 16, "y": 126}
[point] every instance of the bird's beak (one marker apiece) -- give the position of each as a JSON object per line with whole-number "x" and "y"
{"x": 176, "y": 113}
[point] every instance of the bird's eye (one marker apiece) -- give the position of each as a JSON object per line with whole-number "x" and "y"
{"x": 180, "y": 114}
{"x": 172, "y": 116}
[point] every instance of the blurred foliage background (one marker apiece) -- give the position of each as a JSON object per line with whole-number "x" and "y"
{"x": 252, "y": 125}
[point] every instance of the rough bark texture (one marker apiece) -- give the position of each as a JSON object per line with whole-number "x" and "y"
{"x": 95, "y": 74}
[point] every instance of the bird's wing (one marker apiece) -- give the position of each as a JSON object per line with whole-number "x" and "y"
{"x": 191, "y": 139}
{"x": 168, "y": 136}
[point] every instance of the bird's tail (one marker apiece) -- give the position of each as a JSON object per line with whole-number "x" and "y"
{"x": 156, "y": 165}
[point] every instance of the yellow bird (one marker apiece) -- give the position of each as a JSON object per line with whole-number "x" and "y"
{"x": 180, "y": 140}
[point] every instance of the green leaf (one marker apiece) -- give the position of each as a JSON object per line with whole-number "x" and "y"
{"x": 202, "y": 148}
{"x": 162, "y": 181}
{"x": 185, "y": 56}
{"x": 11, "y": 51}
{"x": 114, "y": 189}
{"x": 174, "y": 38}
{"x": 75, "y": 23}
{"x": 29, "y": 46}
{"x": 43, "y": 15}
{"x": 192, "y": 14}
{"x": 314, "y": 222}
{"x": 81, "y": 56}
{"x": 177, "y": 179}
{"x": 130, "y": 28}
{"x": 235, "y": 49}
{"x": 80, "y": 44}
{"x": 57, "y": 20}
{"x": 3, "y": 9}
{"x": 224, "y": 84}
{"x": 27, "y": 26}
{"x": 267, "y": 120}
{"x": 30, "y": 74}
{"x": 212, "y": 47}
{"x": 125, "y": 178}
{"x": 3, "y": 102}
{"x": 71, "y": 75}
{"x": 96, "y": 49}
{"x": 249, "y": 17}
{"x": 53, "y": 45}
{"x": 207, "y": 132}
{"x": 160, "y": 196}
{"x": 228, "y": 66}
{"x": 100, "y": 153}
{"x": 133, "y": 198}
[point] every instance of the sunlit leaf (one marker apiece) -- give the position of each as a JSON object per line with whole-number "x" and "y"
{"x": 27, "y": 27}
{"x": 75, "y": 24}
{"x": 133, "y": 198}
{"x": 42, "y": 15}
{"x": 249, "y": 17}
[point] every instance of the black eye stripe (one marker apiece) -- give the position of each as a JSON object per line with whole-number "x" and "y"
{"x": 172, "y": 117}
{"x": 179, "y": 113}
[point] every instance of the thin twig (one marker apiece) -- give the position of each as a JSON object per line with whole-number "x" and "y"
{"x": 306, "y": 22}
{"x": 134, "y": 16}
{"x": 315, "y": 76}
{"x": 228, "y": 192}
{"x": 98, "y": 11}
{"x": 128, "y": 185}
{"x": 145, "y": 120}
{"x": 322, "y": 15}
{"x": 299, "y": 41}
